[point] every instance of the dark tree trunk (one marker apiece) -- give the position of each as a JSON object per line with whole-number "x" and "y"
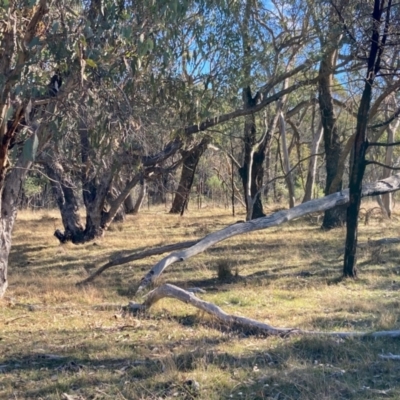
{"x": 360, "y": 144}
{"x": 254, "y": 158}
{"x": 333, "y": 149}
{"x": 191, "y": 159}
{"x": 65, "y": 197}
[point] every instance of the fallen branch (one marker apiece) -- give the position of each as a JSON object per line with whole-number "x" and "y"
{"x": 388, "y": 185}
{"x": 389, "y": 356}
{"x": 379, "y": 242}
{"x": 138, "y": 256}
{"x": 175, "y": 292}
{"x": 373, "y": 243}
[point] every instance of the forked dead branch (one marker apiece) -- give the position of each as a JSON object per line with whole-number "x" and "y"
{"x": 239, "y": 322}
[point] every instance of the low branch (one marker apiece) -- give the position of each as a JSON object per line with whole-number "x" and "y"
{"x": 370, "y": 162}
{"x": 379, "y": 242}
{"x": 388, "y": 185}
{"x": 137, "y": 256}
{"x": 236, "y": 321}
{"x": 383, "y": 144}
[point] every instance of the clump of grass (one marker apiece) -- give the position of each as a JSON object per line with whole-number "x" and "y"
{"x": 226, "y": 271}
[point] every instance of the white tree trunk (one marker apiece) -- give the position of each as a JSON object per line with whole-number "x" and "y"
{"x": 312, "y": 166}
{"x": 286, "y": 161}
{"x": 386, "y": 202}
{"x": 9, "y": 197}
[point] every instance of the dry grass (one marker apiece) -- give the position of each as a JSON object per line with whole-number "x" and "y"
{"x": 56, "y": 338}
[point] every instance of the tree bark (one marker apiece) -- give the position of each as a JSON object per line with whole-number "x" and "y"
{"x": 360, "y": 144}
{"x": 191, "y": 159}
{"x": 387, "y": 199}
{"x": 64, "y": 194}
{"x": 139, "y": 201}
{"x": 312, "y": 166}
{"x": 236, "y": 321}
{"x": 333, "y": 217}
{"x": 286, "y": 161}
{"x": 129, "y": 204}
{"x": 9, "y": 198}
{"x": 253, "y": 161}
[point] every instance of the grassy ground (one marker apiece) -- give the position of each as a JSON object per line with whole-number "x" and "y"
{"x": 56, "y": 339}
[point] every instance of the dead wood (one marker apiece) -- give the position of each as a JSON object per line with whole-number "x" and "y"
{"x": 389, "y": 356}
{"x": 137, "y": 256}
{"x": 236, "y": 321}
{"x": 388, "y": 185}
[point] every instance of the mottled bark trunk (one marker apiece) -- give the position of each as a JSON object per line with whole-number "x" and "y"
{"x": 312, "y": 166}
{"x": 253, "y": 161}
{"x": 9, "y": 198}
{"x": 333, "y": 148}
{"x": 191, "y": 159}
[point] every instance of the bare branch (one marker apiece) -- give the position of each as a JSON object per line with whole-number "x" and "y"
{"x": 370, "y": 162}
{"x": 236, "y": 321}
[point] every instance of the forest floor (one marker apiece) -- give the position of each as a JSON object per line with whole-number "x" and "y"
{"x": 58, "y": 341}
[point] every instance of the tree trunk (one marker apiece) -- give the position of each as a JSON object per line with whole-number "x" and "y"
{"x": 191, "y": 159}
{"x": 9, "y": 198}
{"x": 312, "y": 166}
{"x": 65, "y": 197}
{"x": 360, "y": 144}
{"x": 129, "y": 204}
{"x": 140, "y": 199}
{"x": 335, "y": 217}
{"x": 120, "y": 215}
{"x": 387, "y": 199}
{"x": 253, "y": 160}
{"x": 288, "y": 174}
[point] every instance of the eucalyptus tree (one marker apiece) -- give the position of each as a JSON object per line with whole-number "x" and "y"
{"x": 277, "y": 43}
{"x": 126, "y": 119}
{"x": 32, "y": 40}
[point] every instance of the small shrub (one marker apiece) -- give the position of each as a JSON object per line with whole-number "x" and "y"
{"x": 224, "y": 270}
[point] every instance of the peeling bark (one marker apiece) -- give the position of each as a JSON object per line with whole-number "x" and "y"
{"x": 312, "y": 166}
{"x": 191, "y": 159}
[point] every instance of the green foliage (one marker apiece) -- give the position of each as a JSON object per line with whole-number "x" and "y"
{"x": 33, "y": 185}
{"x": 214, "y": 182}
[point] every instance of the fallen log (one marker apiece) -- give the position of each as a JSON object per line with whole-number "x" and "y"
{"x": 137, "y": 256}
{"x": 388, "y": 185}
{"x": 236, "y": 321}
